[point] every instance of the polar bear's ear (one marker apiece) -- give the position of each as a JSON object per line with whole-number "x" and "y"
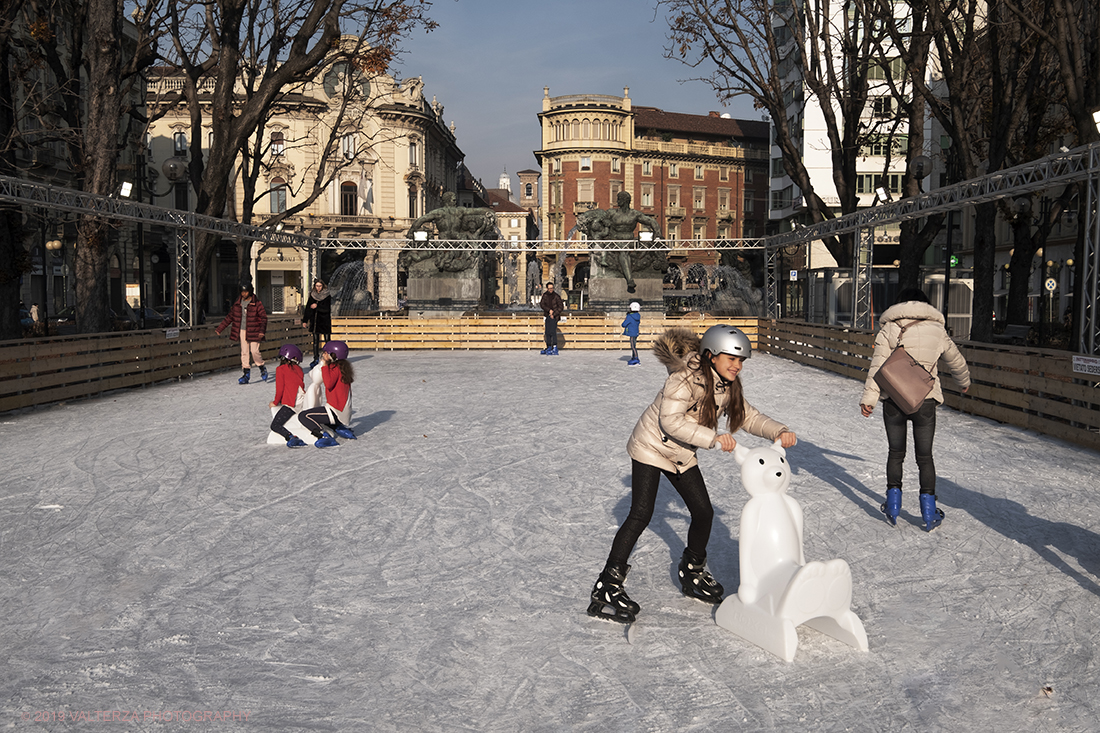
{"x": 777, "y": 446}
{"x": 740, "y": 452}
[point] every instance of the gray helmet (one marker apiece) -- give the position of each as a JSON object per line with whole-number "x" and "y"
{"x": 722, "y": 339}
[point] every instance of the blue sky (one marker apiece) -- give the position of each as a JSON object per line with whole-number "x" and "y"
{"x": 489, "y": 60}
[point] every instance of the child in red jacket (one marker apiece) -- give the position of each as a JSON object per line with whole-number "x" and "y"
{"x": 289, "y": 383}
{"x": 336, "y": 412}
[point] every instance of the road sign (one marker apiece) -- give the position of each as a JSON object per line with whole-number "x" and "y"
{"x": 1051, "y": 284}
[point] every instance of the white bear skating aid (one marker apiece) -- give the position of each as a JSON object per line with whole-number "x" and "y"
{"x": 779, "y": 591}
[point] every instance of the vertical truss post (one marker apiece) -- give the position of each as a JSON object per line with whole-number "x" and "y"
{"x": 185, "y": 270}
{"x": 862, "y": 310}
{"x": 1088, "y": 336}
{"x": 771, "y": 281}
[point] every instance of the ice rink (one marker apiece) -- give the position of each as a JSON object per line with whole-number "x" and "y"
{"x": 162, "y": 568}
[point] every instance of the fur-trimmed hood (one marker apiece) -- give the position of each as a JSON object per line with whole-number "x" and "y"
{"x": 675, "y": 347}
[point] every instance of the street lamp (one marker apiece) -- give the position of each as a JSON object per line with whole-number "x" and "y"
{"x": 56, "y": 245}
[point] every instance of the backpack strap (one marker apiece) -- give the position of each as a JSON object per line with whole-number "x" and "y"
{"x": 902, "y": 331}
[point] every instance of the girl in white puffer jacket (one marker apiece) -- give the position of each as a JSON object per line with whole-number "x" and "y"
{"x": 703, "y": 384}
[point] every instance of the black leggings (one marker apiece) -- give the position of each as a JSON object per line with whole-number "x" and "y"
{"x": 924, "y": 432}
{"x": 644, "y": 480}
{"x": 282, "y": 417}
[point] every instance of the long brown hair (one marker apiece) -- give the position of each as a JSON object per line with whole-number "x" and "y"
{"x": 347, "y": 373}
{"x": 708, "y": 410}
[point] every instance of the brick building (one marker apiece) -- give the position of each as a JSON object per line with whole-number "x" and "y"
{"x": 702, "y": 177}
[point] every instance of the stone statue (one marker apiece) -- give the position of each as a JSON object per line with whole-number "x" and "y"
{"x": 453, "y": 223}
{"x": 617, "y": 225}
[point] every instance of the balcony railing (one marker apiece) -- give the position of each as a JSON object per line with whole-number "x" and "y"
{"x": 714, "y": 151}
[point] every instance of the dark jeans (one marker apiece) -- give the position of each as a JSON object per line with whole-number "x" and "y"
{"x": 319, "y": 340}
{"x": 550, "y": 331}
{"x": 643, "y": 486}
{"x": 924, "y": 431}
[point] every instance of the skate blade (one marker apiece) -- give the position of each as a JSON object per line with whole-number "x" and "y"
{"x": 597, "y": 611}
{"x": 709, "y": 600}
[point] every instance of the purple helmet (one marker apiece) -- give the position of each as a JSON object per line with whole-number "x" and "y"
{"x": 290, "y": 351}
{"x": 338, "y": 349}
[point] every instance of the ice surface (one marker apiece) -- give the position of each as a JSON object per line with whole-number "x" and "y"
{"x": 157, "y": 555}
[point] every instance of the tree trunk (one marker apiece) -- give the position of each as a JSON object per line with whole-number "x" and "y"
{"x": 985, "y": 247}
{"x": 100, "y": 159}
{"x": 14, "y": 263}
{"x": 1019, "y": 272}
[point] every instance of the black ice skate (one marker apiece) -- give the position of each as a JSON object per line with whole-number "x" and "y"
{"x": 609, "y": 599}
{"x": 696, "y": 582}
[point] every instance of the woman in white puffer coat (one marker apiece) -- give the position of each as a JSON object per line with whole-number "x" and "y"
{"x": 703, "y": 384}
{"x": 926, "y": 340}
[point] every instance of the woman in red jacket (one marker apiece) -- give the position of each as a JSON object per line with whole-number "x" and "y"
{"x": 247, "y": 317}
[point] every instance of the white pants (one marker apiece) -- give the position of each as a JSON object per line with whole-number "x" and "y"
{"x": 250, "y": 349}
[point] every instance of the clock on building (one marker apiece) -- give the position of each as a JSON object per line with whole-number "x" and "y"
{"x": 336, "y": 80}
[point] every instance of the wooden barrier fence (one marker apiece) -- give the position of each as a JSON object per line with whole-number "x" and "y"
{"x": 58, "y": 368}
{"x": 1030, "y": 388}
{"x": 509, "y": 332}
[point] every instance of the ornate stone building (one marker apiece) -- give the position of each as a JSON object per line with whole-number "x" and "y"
{"x": 390, "y": 157}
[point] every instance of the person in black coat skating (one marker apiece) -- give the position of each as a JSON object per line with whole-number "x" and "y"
{"x": 317, "y": 317}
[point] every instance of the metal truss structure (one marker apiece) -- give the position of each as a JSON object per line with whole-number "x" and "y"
{"x": 185, "y": 224}
{"x": 548, "y": 246}
{"x": 1079, "y": 165}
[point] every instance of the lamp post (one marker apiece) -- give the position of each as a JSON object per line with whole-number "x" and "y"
{"x": 44, "y": 313}
{"x": 142, "y": 174}
{"x": 56, "y": 245}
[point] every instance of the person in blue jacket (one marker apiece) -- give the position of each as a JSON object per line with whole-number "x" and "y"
{"x": 630, "y": 328}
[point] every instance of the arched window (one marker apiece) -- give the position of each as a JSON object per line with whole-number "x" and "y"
{"x": 586, "y": 134}
{"x": 278, "y": 143}
{"x": 576, "y": 130}
{"x": 528, "y": 190}
{"x": 278, "y": 195}
{"x": 349, "y": 197}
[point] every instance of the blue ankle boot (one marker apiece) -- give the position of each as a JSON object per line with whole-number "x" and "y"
{"x": 931, "y": 515}
{"x": 892, "y": 507}
{"x": 325, "y": 441}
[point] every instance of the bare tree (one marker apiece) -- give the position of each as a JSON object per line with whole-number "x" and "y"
{"x": 907, "y": 36}
{"x": 753, "y": 45}
{"x": 983, "y": 99}
{"x": 14, "y": 261}
{"x": 338, "y": 140}
{"x": 78, "y": 67}
{"x": 1072, "y": 32}
{"x": 249, "y": 53}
